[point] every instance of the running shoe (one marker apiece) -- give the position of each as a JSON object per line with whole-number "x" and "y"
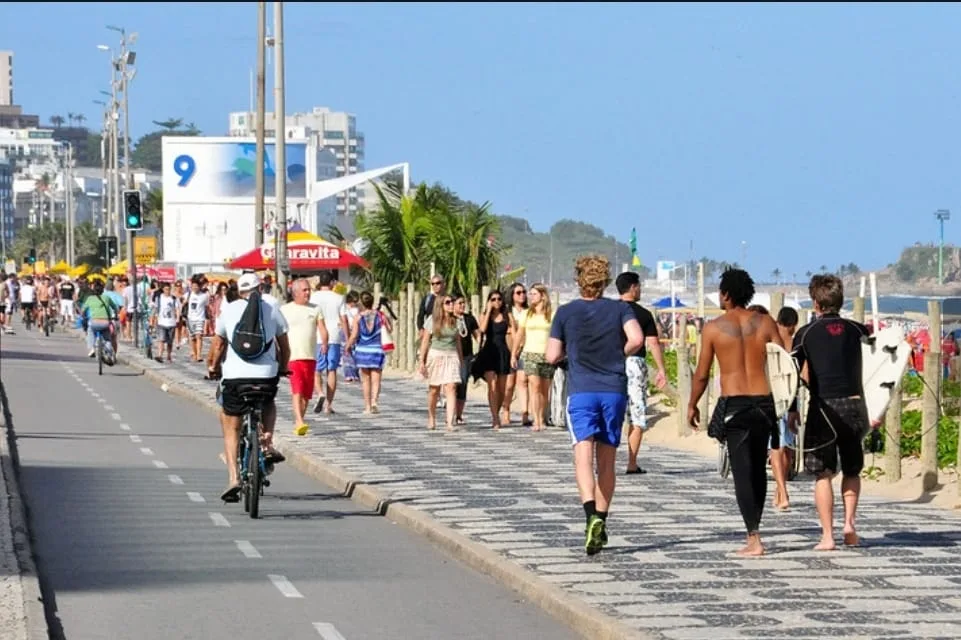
{"x": 595, "y": 537}
{"x": 301, "y": 430}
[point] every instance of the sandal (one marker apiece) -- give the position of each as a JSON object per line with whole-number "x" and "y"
{"x": 231, "y": 494}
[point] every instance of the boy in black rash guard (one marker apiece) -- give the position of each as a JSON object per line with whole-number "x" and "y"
{"x": 837, "y": 420}
{"x": 746, "y": 408}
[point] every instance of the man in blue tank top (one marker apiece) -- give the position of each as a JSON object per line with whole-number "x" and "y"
{"x": 596, "y": 334}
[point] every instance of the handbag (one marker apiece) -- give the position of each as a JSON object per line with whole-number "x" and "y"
{"x": 386, "y": 340}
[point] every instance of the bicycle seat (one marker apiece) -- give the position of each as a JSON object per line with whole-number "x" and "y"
{"x": 255, "y": 393}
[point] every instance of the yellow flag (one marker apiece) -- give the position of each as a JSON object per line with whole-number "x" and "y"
{"x": 636, "y": 262}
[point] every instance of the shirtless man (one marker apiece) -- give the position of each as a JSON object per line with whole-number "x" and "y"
{"x": 746, "y": 408}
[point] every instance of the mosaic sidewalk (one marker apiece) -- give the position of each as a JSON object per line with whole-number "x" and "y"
{"x": 668, "y": 569}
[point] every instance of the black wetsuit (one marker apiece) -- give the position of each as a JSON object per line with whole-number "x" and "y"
{"x": 837, "y": 418}
{"x": 750, "y": 422}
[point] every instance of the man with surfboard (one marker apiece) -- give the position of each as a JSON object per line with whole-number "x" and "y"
{"x": 745, "y": 415}
{"x": 837, "y": 418}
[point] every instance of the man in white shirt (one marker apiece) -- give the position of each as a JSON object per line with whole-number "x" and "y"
{"x": 304, "y": 323}
{"x": 237, "y": 373}
{"x": 166, "y": 321}
{"x": 332, "y": 308}
{"x": 28, "y": 298}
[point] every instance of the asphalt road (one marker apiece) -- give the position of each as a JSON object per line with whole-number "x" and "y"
{"x": 122, "y": 483}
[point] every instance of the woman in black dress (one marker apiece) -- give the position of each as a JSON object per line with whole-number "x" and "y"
{"x": 493, "y": 362}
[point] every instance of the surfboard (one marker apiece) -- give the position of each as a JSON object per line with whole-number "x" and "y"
{"x": 884, "y": 359}
{"x": 782, "y": 376}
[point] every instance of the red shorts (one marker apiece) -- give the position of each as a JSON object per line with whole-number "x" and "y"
{"x": 302, "y": 377}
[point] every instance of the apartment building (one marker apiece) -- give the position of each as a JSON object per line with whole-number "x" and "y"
{"x": 6, "y": 205}
{"x": 6, "y": 78}
{"x": 333, "y": 130}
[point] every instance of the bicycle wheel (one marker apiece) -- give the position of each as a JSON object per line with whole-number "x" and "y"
{"x": 242, "y": 452}
{"x": 723, "y": 460}
{"x": 46, "y": 327}
{"x": 99, "y": 355}
{"x": 253, "y": 471}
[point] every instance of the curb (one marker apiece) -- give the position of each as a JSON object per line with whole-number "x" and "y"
{"x": 34, "y": 614}
{"x": 576, "y": 614}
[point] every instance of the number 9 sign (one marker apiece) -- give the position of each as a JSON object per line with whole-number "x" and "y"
{"x": 185, "y": 167}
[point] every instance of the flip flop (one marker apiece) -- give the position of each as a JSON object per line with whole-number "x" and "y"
{"x": 232, "y": 494}
{"x": 273, "y": 457}
{"x": 637, "y": 471}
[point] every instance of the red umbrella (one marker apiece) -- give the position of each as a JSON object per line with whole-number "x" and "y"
{"x": 305, "y": 252}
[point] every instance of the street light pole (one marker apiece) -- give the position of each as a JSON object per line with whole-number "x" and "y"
{"x": 261, "y": 116}
{"x": 71, "y": 215}
{"x": 941, "y": 215}
{"x": 280, "y": 145}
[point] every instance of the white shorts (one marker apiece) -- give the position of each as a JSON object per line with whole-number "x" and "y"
{"x": 637, "y": 391}
{"x": 196, "y": 327}
{"x": 66, "y": 308}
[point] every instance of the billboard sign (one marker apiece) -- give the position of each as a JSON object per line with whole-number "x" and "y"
{"x": 208, "y": 170}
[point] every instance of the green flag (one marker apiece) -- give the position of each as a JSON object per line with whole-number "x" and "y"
{"x": 633, "y": 241}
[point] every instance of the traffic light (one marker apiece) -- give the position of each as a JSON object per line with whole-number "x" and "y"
{"x": 133, "y": 209}
{"x": 107, "y": 248}
{"x": 32, "y": 258}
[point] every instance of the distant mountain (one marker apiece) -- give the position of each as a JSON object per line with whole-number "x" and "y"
{"x": 569, "y": 238}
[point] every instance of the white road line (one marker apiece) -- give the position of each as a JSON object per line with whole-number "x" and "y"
{"x": 104, "y": 401}
{"x": 195, "y": 497}
{"x": 115, "y": 416}
{"x": 328, "y": 631}
{"x": 95, "y": 395}
{"x": 175, "y": 479}
{"x": 108, "y": 407}
{"x": 125, "y": 427}
{"x": 160, "y": 464}
{"x": 134, "y": 438}
{"x": 285, "y": 587}
{"x": 247, "y": 549}
{"x": 147, "y": 451}
{"x": 218, "y": 519}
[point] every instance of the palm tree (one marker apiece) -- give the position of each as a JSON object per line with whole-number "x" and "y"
{"x": 153, "y": 208}
{"x": 776, "y": 274}
{"x": 823, "y": 268}
{"x": 808, "y": 274}
{"x": 461, "y": 249}
{"x": 81, "y": 119}
{"x": 71, "y": 117}
{"x": 85, "y": 239}
{"x": 56, "y": 121}
{"x": 170, "y": 124}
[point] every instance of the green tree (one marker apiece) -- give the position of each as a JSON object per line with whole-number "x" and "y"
{"x": 776, "y": 274}
{"x": 147, "y": 152}
{"x": 153, "y": 209}
{"x": 56, "y": 121}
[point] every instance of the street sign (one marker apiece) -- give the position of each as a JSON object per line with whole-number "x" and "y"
{"x": 145, "y": 249}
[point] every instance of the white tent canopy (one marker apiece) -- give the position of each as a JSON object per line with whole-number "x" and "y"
{"x": 324, "y": 189}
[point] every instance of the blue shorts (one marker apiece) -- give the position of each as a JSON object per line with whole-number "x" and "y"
{"x": 788, "y": 439}
{"x": 330, "y": 361}
{"x": 596, "y": 415}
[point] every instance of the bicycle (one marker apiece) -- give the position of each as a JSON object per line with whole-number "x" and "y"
{"x": 48, "y": 321}
{"x": 28, "y": 319}
{"x": 147, "y": 337}
{"x": 251, "y": 461}
{"x": 104, "y": 349}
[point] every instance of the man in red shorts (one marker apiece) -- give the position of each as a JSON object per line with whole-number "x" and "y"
{"x": 305, "y": 325}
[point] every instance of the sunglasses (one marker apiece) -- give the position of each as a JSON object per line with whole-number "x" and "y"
{"x": 436, "y": 284}
{"x": 497, "y": 299}
{"x": 447, "y": 302}
{"x": 520, "y": 293}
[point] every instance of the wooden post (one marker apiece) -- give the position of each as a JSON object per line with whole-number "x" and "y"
{"x": 777, "y": 303}
{"x": 859, "y": 309}
{"x": 377, "y": 293}
{"x": 555, "y": 300}
{"x": 892, "y": 438}
{"x": 485, "y": 291}
{"x": 414, "y": 339}
{"x": 802, "y": 315}
{"x": 930, "y": 402}
{"x": 400, "y": 333}
{"x": 683, "y": 381}
{"x": 410, "y": 330}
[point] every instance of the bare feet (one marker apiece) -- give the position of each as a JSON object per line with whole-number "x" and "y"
{"x": 826, "y": 544}
{"x": 431, "y": 426}
{"x": 753, "y": 548}
{"x": 851, "y": 538}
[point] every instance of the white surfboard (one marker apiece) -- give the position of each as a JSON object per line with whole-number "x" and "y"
{"x": 782, "y": 375}
{"x": 884, "y": 359}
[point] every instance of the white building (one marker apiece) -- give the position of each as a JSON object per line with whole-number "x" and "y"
{"x": 334, "y": 130}
{"x": 6, "y": 78}
{"x": 32, "y": 150}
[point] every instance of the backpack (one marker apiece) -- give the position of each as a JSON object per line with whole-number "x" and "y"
{"x": 249, "y": 340}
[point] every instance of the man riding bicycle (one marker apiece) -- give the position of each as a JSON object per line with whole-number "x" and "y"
{"x": 237, "y": 372}
{"x": 43, "y": 299}
{"x": 28, "y": 299}
{"x": 100, "y": 313}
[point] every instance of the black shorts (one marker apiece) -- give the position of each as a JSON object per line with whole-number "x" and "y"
{"x": 44, "y": 304}
{"x": 233, "y": 403}
{"x": 834, "y": 436}
{"x": 26, "y": 306}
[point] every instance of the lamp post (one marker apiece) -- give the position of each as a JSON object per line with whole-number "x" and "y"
{"x": 941, "y": 215}
{"x": 280, "y": 146}
{"x": 105, "y": 184}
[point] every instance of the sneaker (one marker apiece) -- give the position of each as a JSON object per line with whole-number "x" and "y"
{"x": 595, "y": 536}
{"x": 92, "y": 354}
{"x": 319, "y": 406}
{"x": 301, "y": 430}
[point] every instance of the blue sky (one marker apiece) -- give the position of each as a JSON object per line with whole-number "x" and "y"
{"x": 819, "y": 134}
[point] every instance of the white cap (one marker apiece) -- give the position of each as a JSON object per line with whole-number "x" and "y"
{"x": 248, "y": 282}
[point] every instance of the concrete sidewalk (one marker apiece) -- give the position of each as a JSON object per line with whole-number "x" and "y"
{"x": 506, "y": 503}
{"x": 21, "y": 606}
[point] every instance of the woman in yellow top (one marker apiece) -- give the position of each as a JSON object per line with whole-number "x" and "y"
{"x": 533, "y": 331}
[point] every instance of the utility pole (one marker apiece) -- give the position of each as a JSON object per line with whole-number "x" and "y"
{"x": 71, "y": 215}
{"x": 941, "y": 215}
{"x": 280, "y": 144}
{"x": 261, "y": 116}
